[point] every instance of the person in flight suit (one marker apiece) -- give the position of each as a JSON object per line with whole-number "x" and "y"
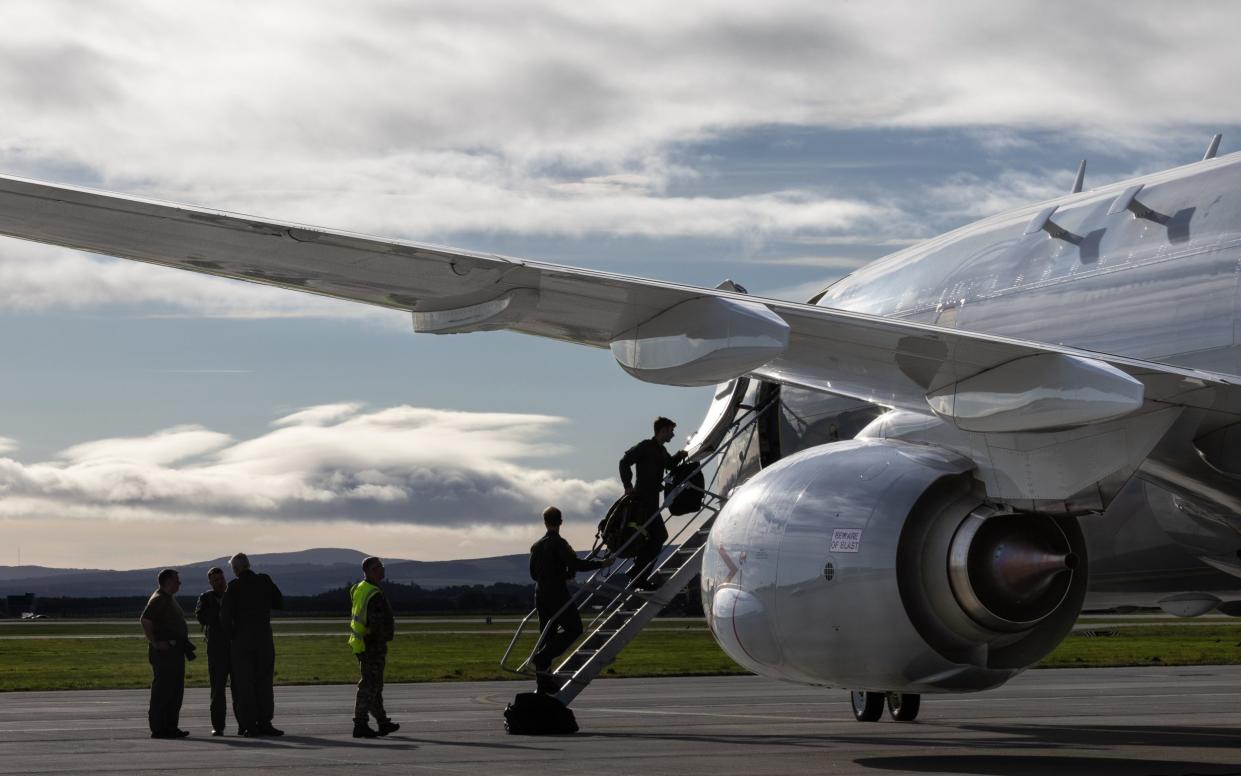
{"x": 245, "y": 618}
{"x": 163, "y": 624}
{"x": 371, "y": 627}
{"x": 207, "y": 610}
{"x": 650, "y": 459}
{"x": 552, "y": 564}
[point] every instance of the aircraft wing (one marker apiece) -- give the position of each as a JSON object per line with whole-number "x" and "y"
{"x": 658, "y": 331}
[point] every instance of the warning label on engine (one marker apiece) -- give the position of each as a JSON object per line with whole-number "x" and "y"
{"x": 846, "y": 539}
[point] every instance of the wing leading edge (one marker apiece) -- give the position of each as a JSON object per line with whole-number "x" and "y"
{"x": 658, "y": 331}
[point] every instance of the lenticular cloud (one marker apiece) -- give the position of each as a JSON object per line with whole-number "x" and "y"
{"x": 402, "y": 464}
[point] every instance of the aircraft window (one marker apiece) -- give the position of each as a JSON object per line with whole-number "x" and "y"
{"x": 811, "y": 418}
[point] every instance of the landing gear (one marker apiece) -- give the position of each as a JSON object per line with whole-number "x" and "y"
{"x": 867, "y": 706}
{"x": 903, "y": 706}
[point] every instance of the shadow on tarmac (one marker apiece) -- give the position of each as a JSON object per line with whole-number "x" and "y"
{"x": 1032, "y": 747}
{"x": 399, "y": 743}
{"x": 1021, "y": 765}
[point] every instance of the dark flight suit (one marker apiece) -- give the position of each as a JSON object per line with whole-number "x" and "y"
{"x": 245, "y": 617}
{"x": 207, "y": 610}
{"x": 167, "y": 665}
{"x": 552, "y": 563}
{"x": 371, "y": 661}
{"x": 651, "y": 460}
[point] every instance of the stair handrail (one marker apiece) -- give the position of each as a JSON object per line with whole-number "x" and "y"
{"x": 581, "y": 597}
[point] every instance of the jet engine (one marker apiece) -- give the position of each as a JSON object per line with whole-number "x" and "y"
{"x": 877, "y": 565}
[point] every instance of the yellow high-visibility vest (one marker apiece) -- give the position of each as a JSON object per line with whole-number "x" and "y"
{"x": 358, "y": 627}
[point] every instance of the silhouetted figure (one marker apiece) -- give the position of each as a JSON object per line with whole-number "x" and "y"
{"x": 207, "y": 610}
{"x": 552, "y": 564}
{"x": 168, "y": 645}
{"x": 245, "y": 617}
{"x": 650, "y": 460}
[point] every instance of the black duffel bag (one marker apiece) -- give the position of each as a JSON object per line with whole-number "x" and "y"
{"x": 535, "y": 714}
{"x": 689, "y": 500}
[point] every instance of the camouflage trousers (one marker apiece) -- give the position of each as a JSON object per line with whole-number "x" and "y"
{"x": 370, "y": 688}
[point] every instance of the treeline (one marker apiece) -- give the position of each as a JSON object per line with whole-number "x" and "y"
{"x": 498, "y": 598}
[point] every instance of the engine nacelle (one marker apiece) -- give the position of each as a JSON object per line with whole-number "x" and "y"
{"x": 876, "y": 565}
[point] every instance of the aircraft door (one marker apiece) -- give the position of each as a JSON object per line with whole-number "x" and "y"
{"x": 719, "y": 418}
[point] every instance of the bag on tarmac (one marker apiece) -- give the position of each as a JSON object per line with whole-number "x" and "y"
{"x": 689, "y": 500}
{"x": 616, "y": 528}
{"x": 535, "y": 714}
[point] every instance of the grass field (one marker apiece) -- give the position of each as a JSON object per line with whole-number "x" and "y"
{"x": 438, "y": 651}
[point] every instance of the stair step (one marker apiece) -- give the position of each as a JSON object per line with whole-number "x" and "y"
{"x": 615, "y": 612}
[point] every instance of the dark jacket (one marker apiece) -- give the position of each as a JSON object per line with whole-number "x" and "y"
{"x": 553, "y": 562}
{"x": 207, "y": 610}
{"x": 650, "y": 460}
{"x": 381, "y": 623}
{"x": 245, "y": 613}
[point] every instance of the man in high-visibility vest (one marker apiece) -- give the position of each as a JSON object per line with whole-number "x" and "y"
{"x": 371, "y": 627}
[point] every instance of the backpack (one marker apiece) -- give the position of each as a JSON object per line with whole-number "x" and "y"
{"x": 689, "y": 500}
{"x": 535, "y": 714}
{"x": 615, "y": 529}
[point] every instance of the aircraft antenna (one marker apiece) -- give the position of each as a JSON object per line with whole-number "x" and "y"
{"x": 1080, "y": 179}
{"x": 1212, "y": 147}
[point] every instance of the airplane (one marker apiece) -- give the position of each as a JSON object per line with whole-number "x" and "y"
{"x": 962, "y": 428}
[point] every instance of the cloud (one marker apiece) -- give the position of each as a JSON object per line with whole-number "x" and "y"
{"x": 402, "y": 465}
{"x": 846, "y": 263}
{"x": 969, "y": 195}
{"x": 592, "y": 86}
{"x": 431, "y": 121}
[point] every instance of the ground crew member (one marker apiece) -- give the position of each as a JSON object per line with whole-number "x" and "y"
{"x": 245, "y": 618}
{"x": 371, "y": 627}
{"x": 167, "y": 636}
{"x": 650, "y": 459}
{"x": 552, "y": 564}
{"x": 207, "y": 610}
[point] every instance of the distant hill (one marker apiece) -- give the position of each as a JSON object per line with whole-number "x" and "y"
{"x": 297, "y": 573}
{"x": 8, "y": 573}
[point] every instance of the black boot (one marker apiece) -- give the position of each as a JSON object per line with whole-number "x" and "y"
{"x": 388, "y": 727}
{"x": 363, "y": 730}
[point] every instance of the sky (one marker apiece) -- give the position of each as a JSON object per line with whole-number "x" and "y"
{"x": 150, "y": 416}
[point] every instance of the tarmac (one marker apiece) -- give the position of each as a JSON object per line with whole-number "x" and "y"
{"x": 1148, "y": 720}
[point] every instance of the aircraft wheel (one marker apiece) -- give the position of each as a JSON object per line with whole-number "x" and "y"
{"x": 867, "y": 706}
{"x": 903, "y": 706}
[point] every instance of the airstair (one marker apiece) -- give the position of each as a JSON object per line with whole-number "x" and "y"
{"x": 613, "y": 614}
